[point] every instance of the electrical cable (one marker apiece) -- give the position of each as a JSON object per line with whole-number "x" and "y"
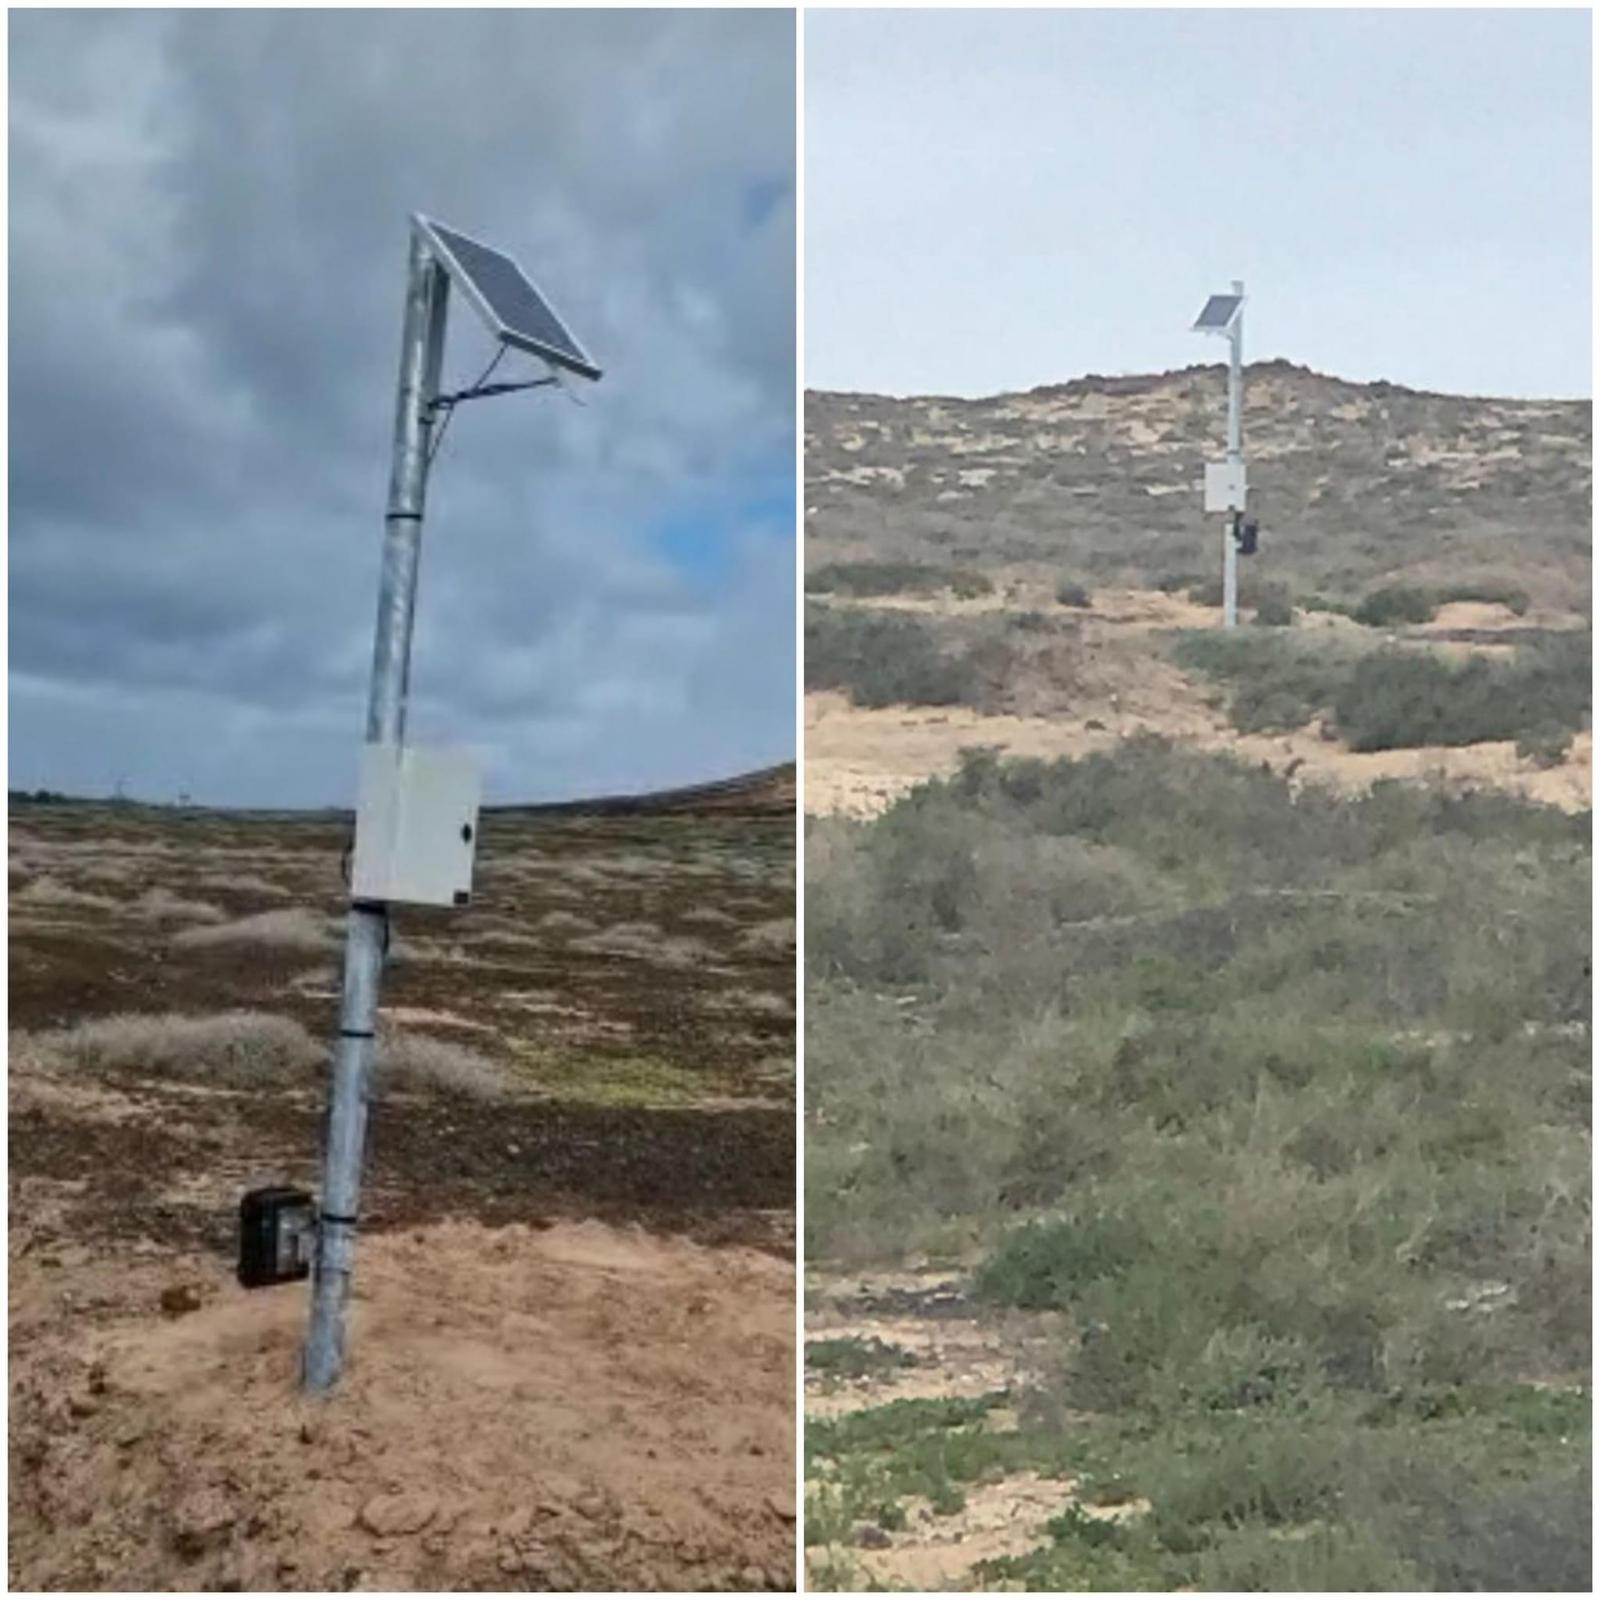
{"x": 450, "y": 411}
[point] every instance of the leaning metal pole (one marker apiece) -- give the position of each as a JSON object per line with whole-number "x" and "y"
{"x": 1230, "y": 545}
{"x": 422, "y": 347}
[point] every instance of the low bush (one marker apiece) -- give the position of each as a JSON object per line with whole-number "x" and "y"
{"x": 1276, "y": 684}
{"x": 885, "y": 659}
{"x": 1394, "y": 605}
{"x": 1397, "y": 698}
{"x": 1073, "y": 594}
{"x": 855, "y": 1358}
{"x": 1274, "y": 609}
{"x": 875, "y": 579}
{"x": 1545, "y": 745}
{"x": 1400, "y": 699}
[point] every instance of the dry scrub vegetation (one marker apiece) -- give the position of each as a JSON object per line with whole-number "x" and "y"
{"x": 251, "y": 1049}
{"x": 1278, "y": 1102}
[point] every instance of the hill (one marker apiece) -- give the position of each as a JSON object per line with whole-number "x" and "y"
{"x": 1034, "y": 572}
{"x": 769, "y": 791}
{"x": 1196, "y": 1116}
{"x": 1353, "y": 483}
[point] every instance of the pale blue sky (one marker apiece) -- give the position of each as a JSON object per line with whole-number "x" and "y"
{"x": 997, "y": 199}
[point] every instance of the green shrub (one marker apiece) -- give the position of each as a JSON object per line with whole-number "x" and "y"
{"x": 1400, "y": 699}
{"x": 1031, "y": 622}
{"x": 855, "y": 1358}
{"x": 1394, "y": 605}
{"x": 1278, "y": 684}
{"x": 1274, "y": 609}
{"x": 1395, "y": 698}
{"x": 1545, "y": 745}
{"x": 968, "y": 585}
{"x": 883, "y": 659}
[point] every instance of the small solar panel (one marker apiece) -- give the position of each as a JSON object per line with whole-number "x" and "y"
{"x": 1218, "y": 311}
{"x": 506, "y": 299}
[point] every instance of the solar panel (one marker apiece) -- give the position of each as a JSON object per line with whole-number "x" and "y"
{"x": 1218, "y": 311}
{"x": 503, "y": 296}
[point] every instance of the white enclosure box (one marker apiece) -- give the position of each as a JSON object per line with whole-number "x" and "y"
{"x": 416, "y": 826}
{"x": 1225, "y": 486}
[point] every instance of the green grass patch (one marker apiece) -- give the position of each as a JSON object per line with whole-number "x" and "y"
{"x": 615, "y": 1080}
{"x": 856, "y": 1358}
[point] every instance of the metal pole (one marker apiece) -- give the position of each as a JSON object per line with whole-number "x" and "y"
{"x": 422, "y": 347}
{"x": 1230, "y": 548}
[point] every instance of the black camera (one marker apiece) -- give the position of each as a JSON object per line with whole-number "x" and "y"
{"x": 277, "y": 1236}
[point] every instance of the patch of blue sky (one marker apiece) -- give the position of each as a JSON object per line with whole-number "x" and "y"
{"x": 707, "y": 538}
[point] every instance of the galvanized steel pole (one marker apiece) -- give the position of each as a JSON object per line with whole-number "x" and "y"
{"x": 1230, "y": 546}
{"x": 422, "y": 348}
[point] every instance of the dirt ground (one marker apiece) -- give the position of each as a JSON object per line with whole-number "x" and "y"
{"x": 859, "y": 761}
{"x": 572, "y": 1345}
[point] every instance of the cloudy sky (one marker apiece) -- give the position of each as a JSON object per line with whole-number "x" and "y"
{"x": 208, "y": 236}
{"x": 1007, "y": 198}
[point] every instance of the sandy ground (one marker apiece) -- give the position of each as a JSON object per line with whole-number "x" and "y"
{"x": 576, "y": 1407}
{"x": 859, "y": 761}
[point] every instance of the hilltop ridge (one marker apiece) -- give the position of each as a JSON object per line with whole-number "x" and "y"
{"x": 1097, "y": 476}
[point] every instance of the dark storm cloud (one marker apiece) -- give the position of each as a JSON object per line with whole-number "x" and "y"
{"x": 208, "y": 225}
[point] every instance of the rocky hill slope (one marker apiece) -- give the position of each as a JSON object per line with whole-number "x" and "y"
{"x": 1354, "y": 484}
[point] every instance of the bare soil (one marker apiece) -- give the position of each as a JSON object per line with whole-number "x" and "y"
{"x": 572, "y": 1346}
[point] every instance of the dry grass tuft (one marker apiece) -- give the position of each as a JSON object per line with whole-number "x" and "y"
{"x": 773, "y": 938}
{"x": 293, "y": 928}
{"x": 644, "y": 941}
{"x": 421, "y": 1061}
{"x": 244, "y": 883}
{"x": 167, "y": 906}
{"x": 48, "y": 891}
{"x": 243, "y": 1049}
